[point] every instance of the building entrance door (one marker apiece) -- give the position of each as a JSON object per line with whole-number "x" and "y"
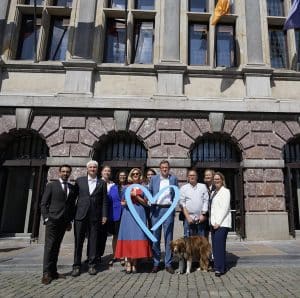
{"x": 218, "y": 153}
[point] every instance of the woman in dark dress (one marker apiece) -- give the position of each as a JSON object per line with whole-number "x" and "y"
{"x": 115, "y": 195}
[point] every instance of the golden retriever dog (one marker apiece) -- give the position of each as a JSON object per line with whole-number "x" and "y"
{"x": 189, "y": 249}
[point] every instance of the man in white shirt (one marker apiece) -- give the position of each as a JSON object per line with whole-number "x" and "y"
{"x": 194, "y": 204}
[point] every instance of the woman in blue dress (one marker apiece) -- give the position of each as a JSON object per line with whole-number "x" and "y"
{"x": 115, "y": 195}
{"x": 132, "y": 242}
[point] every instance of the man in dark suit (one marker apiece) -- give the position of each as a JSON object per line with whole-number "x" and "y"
{"x": 57, "y": 208}
{"x": 158, "y": 209}
{"x": 91, "y": 212}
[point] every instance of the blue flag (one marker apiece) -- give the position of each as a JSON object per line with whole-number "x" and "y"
{"x": 293, "y": 19}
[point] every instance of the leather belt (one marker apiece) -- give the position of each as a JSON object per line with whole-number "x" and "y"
{"x": 161, "y": 205}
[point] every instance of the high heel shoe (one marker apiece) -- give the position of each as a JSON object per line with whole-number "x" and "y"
{"x": 133, "y": 270}
{"x": 128, "y": 269}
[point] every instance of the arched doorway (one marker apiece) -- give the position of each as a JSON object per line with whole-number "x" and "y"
{"x": 23, "y": 175}
{"x": 218, "y": 152}
{"x": 120, "y": 150}
{"x": 292, "y": 183}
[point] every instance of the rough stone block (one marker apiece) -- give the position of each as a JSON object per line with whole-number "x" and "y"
{"x": 38, "y": 122}
{"x": 50, "y": 126}
{"x": 250, "y": 189}
{"x": 180, "y": 173}
{"x": 293, "y": 126}
{"x": 184, "y": 140}
{"x": 256, "y": 204}
{"x": 229, "y": 125}
{"x": 273, "y": 175}
{"x": 247, "y": 141}
{"x": 203, "y": 125}
{"x": 191, "y": 128}
{"x": 177, "y": 152}
{"x": 109, "y": 124}
{"x": 52, "y": 173}
{"x": 276, "y": 142}
{"x": 158, "y": 152}
{"x": 73, "y": 122}
{"x": 261, "y": 126}
{"x": 276, "y": 204}
{"x": 60, "y": 150}
{"x": 263, "y": 152}
{"x": 135, "y": 124}
{"x": 87, "y": 138}
{"x": 241, "y": 129}
{"x": 56, "y": 138}
{"x": 254, "y": 175}
{"x": 7, "y": 122}
{"x": 169, "y": 124}
{"x": 71, "y": 135}
{"x": 153, "y": 140}
{"x": 80, "y": 150}
{"x": 269, "y": 189}
{"x": 261, "y": 138}
{"x": 282, "y": 130}
{"x": 168, "y": 137}
{"x": 148, "y": 127}
{"x": 77, "y": 172}
{"x": 96, "y": 127}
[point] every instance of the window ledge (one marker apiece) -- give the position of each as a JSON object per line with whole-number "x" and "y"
{"x": 30, "y": 65}
{"x": 276, "y": 21}
{"x": 121, "y": 68}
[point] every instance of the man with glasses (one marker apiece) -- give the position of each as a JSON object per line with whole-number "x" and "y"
{"x": 158, "y": 209}
{"x": 194, "y": 204}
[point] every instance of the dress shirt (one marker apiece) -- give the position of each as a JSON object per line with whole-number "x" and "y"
{"x": 194, "y": 199}
{"x": 63, "y": 187}
{"x": 92, "y": 184}
{"x": 165, "y": 198}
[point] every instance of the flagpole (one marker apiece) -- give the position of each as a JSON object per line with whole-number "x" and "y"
{"x": 126, "y": 34}
{"x": 35, "y": 32}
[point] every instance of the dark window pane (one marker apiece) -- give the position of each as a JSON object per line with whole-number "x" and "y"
{"x": 143, "y": 38}
{"x": 67, "y": 3}
{"x": 117, "y": 3}
{"x": 225, "y": 55}
{"x": 278, "y": 52}
{"x": 275, "y": 7}
{"x": 144, "y": 4}
{"x": 26, "y": 46}
{"x": 198, "y": 5}
{"x": 297, "y": 37}
{"x": 115, "y": 41}
{"x": 31, "y": 2}
{"x": 58, "y": 39}
{"x": 197, "y": 44}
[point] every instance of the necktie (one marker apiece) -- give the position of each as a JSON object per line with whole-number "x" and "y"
{"x": 65, "y": 187}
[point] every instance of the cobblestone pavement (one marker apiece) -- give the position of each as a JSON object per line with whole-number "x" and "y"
{"x": 256, "y": 269}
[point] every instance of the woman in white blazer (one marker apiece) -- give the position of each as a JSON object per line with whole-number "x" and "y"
{"x": 220, "y": 221}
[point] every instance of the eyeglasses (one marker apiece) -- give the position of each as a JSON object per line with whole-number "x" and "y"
{"x": 135, "y": 174}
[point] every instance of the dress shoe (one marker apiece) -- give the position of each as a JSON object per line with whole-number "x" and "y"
{"x": 75, "y": 272}
{"x": 57, "y": 275}
{"x": 46, "y": 279}
{"x": 92, "y": 271}
{"x": 218, "y": 274}
{"x": 155, "y": 269}
{"x": 170, "y": 270}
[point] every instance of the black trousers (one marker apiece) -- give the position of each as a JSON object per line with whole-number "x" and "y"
{"x": 55, "y": 231}
{"x": 101, "y": 241}
{"x": 81, "y": 229}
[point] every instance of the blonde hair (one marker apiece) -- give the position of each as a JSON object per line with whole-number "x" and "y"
{"x": 129, "y": 178}
{"x": 222, "y": 177}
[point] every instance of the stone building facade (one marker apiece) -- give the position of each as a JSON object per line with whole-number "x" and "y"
{"x": 184, "y": 113}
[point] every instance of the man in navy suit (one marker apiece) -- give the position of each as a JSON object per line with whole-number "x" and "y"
{"x": 91, "y": 212}
{"x": 57, "y": 208}
{"x": 158, "y": 209}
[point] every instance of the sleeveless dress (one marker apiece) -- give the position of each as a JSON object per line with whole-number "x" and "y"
{"x": 132, "y": 241}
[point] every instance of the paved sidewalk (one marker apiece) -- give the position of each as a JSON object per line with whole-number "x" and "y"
{"x": 256, "y": 269}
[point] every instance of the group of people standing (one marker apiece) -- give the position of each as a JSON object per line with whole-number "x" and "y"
{"x": 97, "y": 206}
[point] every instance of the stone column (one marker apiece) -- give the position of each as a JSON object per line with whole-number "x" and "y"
{"x": 256, "y": 73}
{"x": 170, "y": 70}
{"x": 80, "y": 69}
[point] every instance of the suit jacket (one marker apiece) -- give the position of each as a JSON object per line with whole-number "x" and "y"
{"x": 220, "y": 208}
{"x": 55, "y": 205}
{"x": 155, "y": 183}
{"x": 94, "y": 205}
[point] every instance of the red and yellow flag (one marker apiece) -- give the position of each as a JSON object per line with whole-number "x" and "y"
{"x": 221, "y": 9}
